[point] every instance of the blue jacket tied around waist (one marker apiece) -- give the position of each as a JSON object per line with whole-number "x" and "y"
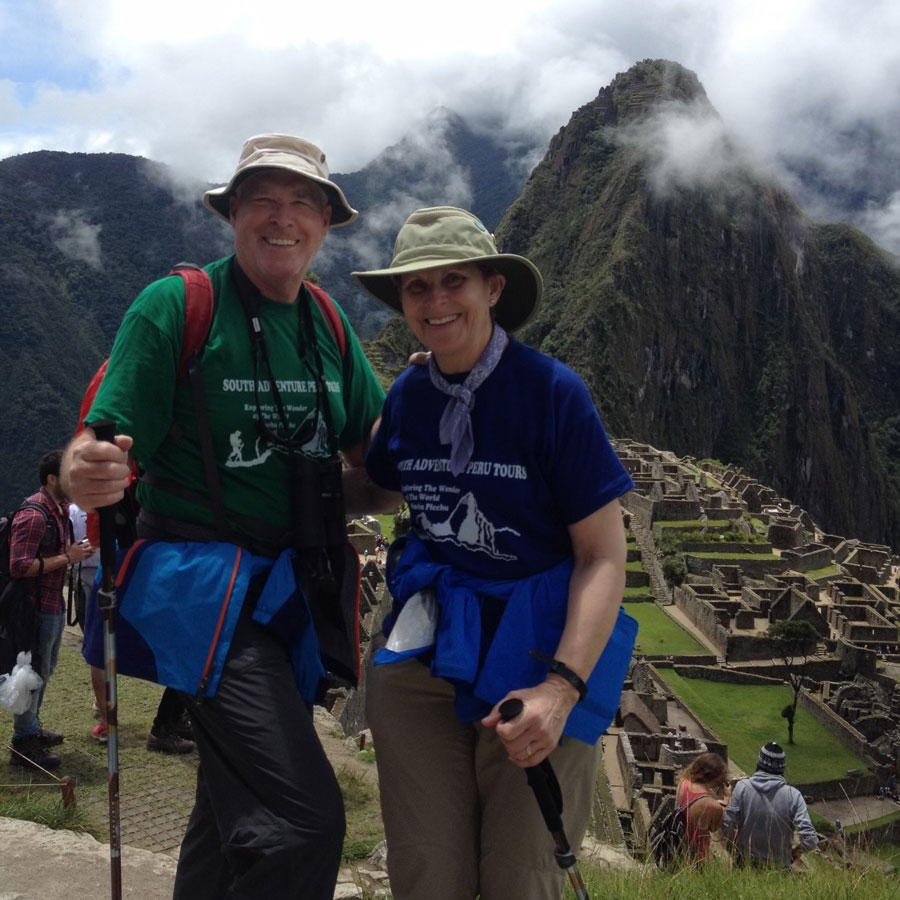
{"x": 533, "y": 618}
{"x": 177, "y": 607}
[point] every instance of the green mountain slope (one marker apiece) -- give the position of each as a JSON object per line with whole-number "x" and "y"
{"x": 80, "y": 235}
{"x": 705, "y": 313}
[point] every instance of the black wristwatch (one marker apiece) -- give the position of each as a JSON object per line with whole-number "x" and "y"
{"x": 561, "y": 669}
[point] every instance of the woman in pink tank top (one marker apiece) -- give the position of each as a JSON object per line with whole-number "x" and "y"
{"x": 703, "y": 785}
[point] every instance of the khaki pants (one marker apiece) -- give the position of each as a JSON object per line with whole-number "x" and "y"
{"x": 461, "y": 821}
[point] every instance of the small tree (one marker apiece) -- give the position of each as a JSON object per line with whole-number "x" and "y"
{"x": 401, "y": 521}
{"x": 793, "y": 639}
{"x": 674, "y": 570}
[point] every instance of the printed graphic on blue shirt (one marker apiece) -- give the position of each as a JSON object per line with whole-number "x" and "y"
{"x": 542, "y": 462}
{"x": 442, "y": 513}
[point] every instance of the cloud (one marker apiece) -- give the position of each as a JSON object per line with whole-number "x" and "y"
{"x": 793, "y": 82}
{"x": 685, "y": 145}
{"x": 75, "y": 237}
{"x": 431, "y": 172}
{"x": 882, "y": 223}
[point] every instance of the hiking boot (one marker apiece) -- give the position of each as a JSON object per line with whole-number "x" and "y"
{"x": 183, "y": 728}
{"x": 49, "y": 738}
{"x": 164, "y": 739}
{"x": 100, "y": 732}
{"x": 28, "y": 753}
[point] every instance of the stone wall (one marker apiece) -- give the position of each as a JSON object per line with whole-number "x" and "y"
{"x": 639, "y": 506}
{"x": 805, "y": 559}
{"x": 866, "y": 574}
{"x": 703, "y": 616}
{"x": 637, "y": 578}
{"x": 723, "y": 547}
{"x": 855, "y": 659}
{"x": 625, "y": 756}
{"x": 728, "y": 676}
{"x": 840, "y": 728}
{"x": 742, "y": 647}
{"x": 786, "y": 534}
{"x": 838, "y": 789}
{"x": 672, "y": 510}
{"x": 707, "y": 734}
{"x": 753, "y": 568}
{"x": 889, "y": 832}
{"x": 374, "y": 603}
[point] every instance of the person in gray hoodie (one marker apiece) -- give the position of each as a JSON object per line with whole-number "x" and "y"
{"x": 764, "y": 812}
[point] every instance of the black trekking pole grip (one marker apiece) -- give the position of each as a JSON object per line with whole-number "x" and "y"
{"x": 105, "y": 430}
{"x": 541, "y": 777}
{"x": 545, "y": 787}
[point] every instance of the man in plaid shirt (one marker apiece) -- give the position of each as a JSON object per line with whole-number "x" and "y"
{"x": 40, "y": 549}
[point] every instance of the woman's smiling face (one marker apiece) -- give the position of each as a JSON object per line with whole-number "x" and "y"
{"x": 449, "y": 311}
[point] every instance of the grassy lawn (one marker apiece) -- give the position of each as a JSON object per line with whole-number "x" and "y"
{"x": 67, "y": 708}
{"x": 824, "y": 572}
{"x": 746, "y": 716}
{"x": 387, "y": 526}
{"x": 888, "y": 852}
{"x": 660, "y": 634}
{"x": 636, "y": 566}
{"x": 631, "y": 592}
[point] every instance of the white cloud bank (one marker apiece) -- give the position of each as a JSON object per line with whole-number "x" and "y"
{"x": 185, "y": 83}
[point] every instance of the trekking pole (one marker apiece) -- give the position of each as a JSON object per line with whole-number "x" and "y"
{"x": 105, "y": 430}
{"x": 548, "y": 794}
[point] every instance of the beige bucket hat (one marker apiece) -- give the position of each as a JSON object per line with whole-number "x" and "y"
{"x": 444, "y": 236}
{"x": 283, "y": 151}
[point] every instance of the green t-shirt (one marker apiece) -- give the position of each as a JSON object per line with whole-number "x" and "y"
{"x": 142, "y": 395}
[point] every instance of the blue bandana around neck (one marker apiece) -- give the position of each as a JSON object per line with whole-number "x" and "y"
{"x": 455, "y": 427}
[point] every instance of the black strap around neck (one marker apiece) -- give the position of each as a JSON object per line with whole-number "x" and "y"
{"x": 250, "y": 297}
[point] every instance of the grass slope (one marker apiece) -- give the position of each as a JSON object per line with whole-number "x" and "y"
{"x": 817, "y": 882}
{"x": 660, "y": 634}
{"x": 746, "y": 716}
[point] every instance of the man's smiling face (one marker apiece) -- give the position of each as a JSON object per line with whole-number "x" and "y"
{"x": 280, "y": 220}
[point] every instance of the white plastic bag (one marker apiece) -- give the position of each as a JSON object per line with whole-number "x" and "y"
{"x": 415, "y": 626}
{"x": 18, "y": 687}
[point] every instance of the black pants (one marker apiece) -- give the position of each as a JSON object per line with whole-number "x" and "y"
{"x": 268, "y": 821}
{"x": 170, "y": 709}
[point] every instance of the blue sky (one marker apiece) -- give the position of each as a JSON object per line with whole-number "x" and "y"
{"x": 185, "y": 81}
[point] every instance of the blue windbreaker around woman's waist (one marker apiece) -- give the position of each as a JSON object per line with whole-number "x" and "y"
{"x": 533, "y": 618}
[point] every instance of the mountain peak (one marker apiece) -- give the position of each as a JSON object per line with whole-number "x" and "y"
{"x": 651, "y": 82}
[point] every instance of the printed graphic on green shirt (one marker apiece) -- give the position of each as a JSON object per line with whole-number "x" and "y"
{"x": 142, "y": 395}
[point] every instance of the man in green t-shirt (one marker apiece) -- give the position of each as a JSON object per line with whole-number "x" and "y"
{"x": 281, "y": 399}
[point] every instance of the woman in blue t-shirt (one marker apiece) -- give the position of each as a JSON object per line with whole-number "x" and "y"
{"x": 509, "y": 584}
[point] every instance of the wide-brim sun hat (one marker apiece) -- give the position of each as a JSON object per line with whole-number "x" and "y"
{"x": 439, "y": 236}
{"x": 292, "y": 154}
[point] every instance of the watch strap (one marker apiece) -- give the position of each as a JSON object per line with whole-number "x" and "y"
{"x": 561, "y": 669}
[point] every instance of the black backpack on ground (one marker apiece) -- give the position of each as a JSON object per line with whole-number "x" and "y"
{"x": 668, "y": 838}
{"x": 19, "y": 616}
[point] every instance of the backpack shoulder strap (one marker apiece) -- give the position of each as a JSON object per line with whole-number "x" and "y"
{"x": 332, "y": 316}
{"x": 692, "y": 801}
{"x": 199, "y": 305}
{"x": 30, "y": 504}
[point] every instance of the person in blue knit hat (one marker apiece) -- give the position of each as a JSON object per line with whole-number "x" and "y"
{"x": 765, "y": 812}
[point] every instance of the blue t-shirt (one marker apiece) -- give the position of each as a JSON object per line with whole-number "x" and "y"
{"x": 542, "y": 461}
